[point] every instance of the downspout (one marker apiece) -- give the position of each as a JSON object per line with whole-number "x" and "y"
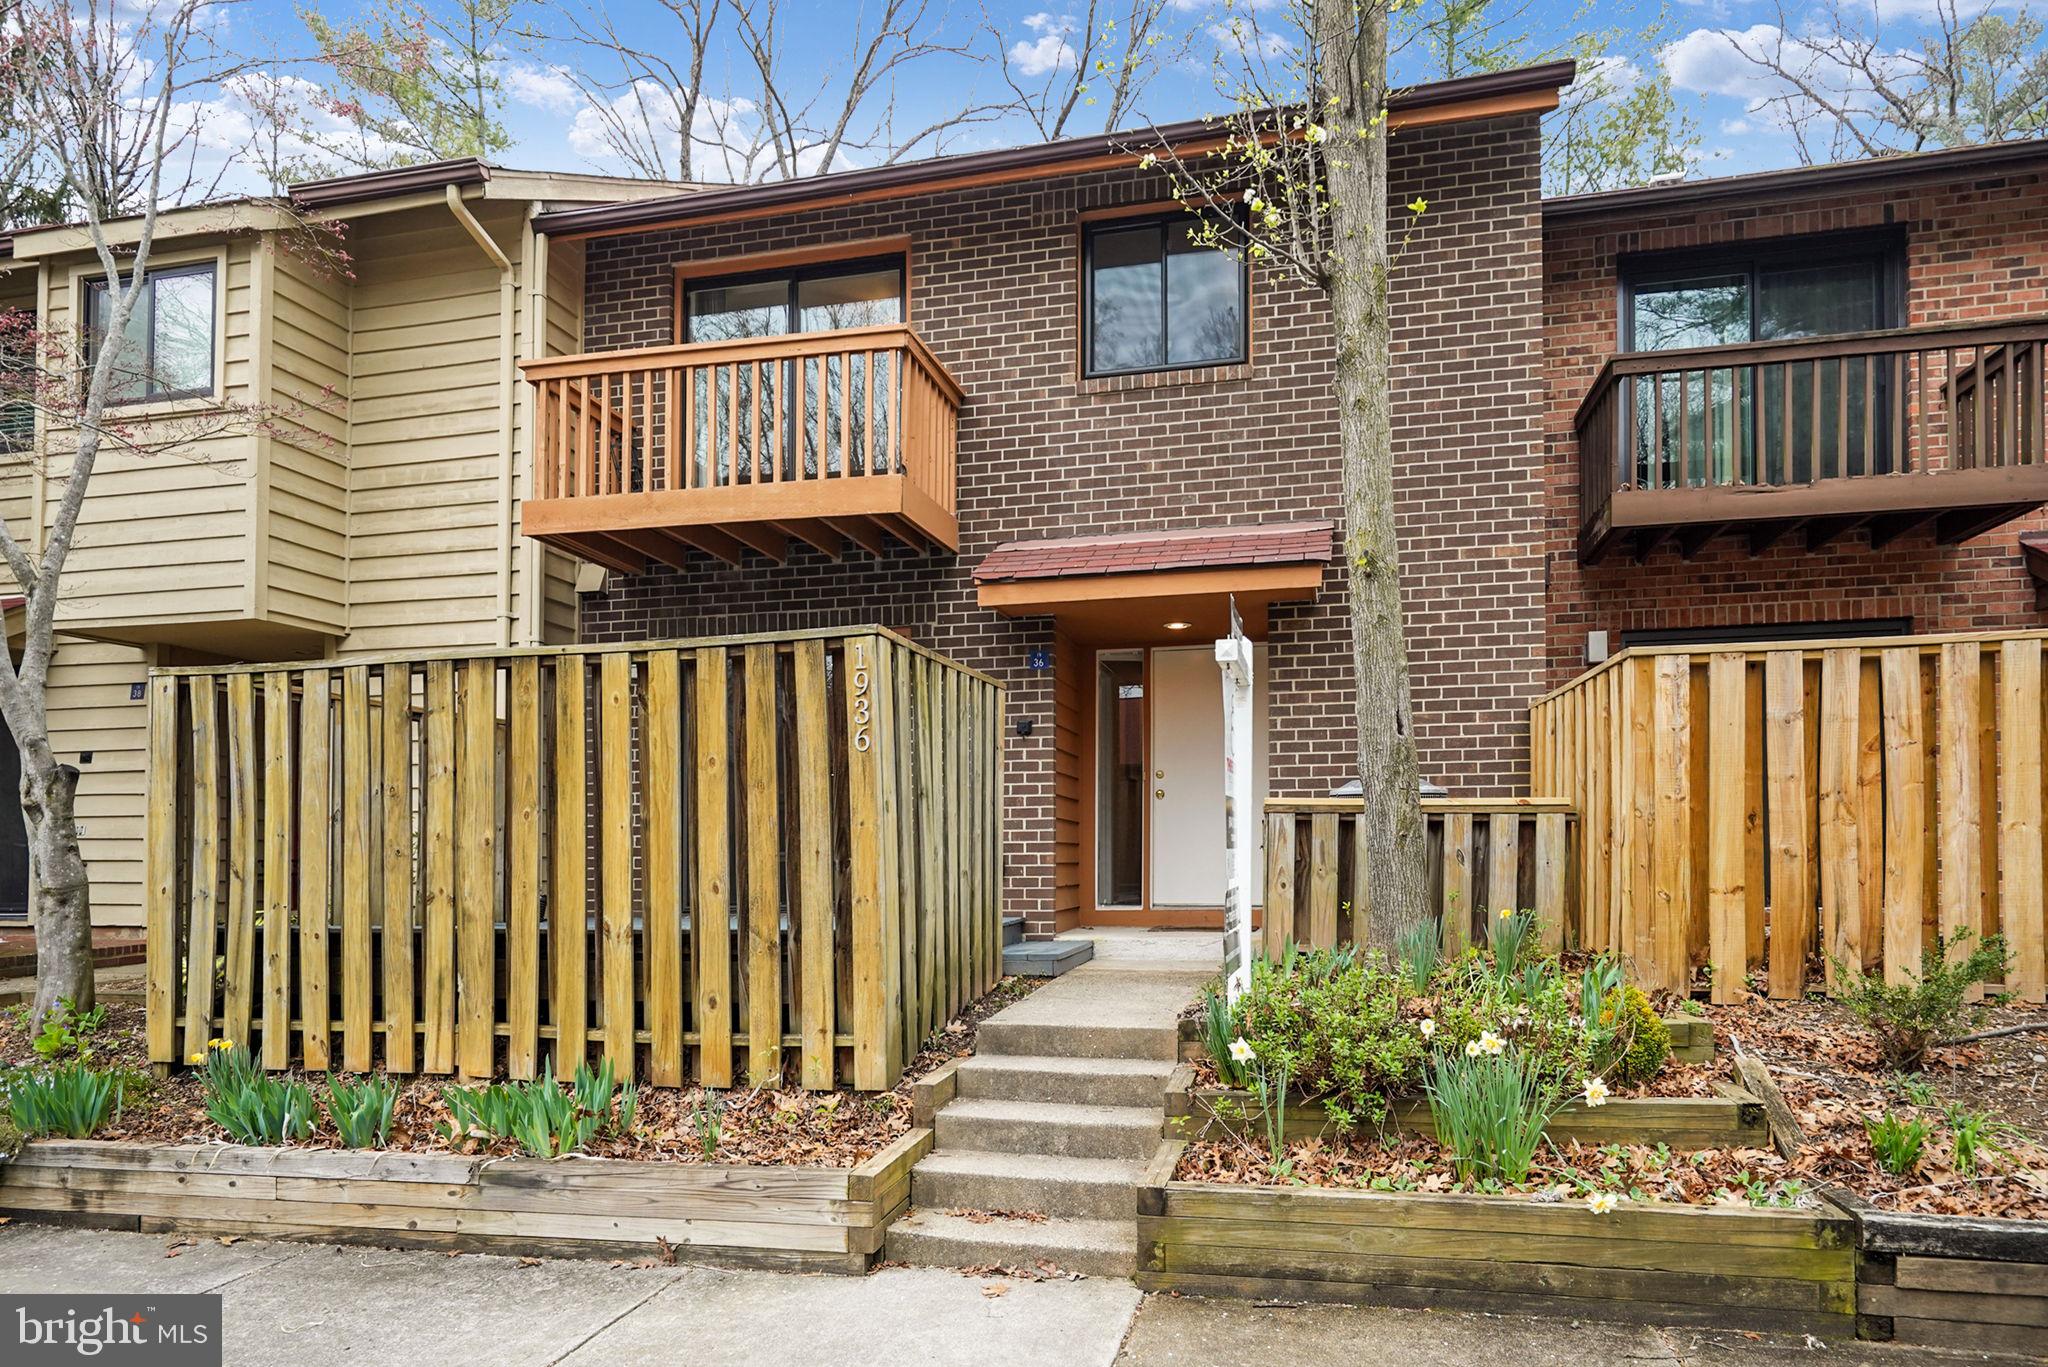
{"x": 508, "y": 370}
{"x": 534, "y": 555}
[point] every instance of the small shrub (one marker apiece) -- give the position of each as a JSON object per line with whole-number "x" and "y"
{"x": 361, "y": 1111}
{"x": 253, "y": 1107}
{"x": 1218, "y": 1030}
{"x": 1490, "y": 1109}
{"x": 1418, "y": 949}
{"x": 1332, "y": 1026}
{"x": 1643, "y": 1040}
{"x": 1897, "y": 1141}
{"x": 72, "y": 1100}
{"x": 1909, "y": 1017}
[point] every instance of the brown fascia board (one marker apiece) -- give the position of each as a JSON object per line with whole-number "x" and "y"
{"x": 1797, "y": 180}
{"x": 1008, "y": 163}
{"x": 400, "y": 180}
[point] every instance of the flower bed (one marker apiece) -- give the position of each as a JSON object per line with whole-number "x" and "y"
{"x": 813, "y": 1219}
{"x": 1791, "y": 1270}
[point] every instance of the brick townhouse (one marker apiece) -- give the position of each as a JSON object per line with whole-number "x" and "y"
{"x": 1111, "y": 436}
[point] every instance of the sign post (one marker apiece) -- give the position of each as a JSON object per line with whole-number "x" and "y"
{"x": 1234, "y": 659}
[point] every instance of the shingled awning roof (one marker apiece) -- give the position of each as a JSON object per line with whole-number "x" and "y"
{"x": 1196, "y": 548}
{"x": 1142, "y": 588}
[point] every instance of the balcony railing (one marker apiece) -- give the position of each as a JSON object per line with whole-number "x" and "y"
{"x": 1891, "y": 431}
{"x": 723, "y": 447}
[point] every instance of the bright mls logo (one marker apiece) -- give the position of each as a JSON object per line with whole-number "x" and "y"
{"x": 163, "y": 1331}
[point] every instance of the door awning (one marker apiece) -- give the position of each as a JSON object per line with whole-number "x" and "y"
{"x": 1145, "y": 588}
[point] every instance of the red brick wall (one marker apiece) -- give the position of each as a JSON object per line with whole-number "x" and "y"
{"x": 1041, "y": 455}
{"x": 1976, "y": 249}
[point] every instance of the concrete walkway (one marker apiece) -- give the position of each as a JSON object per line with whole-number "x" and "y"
{"x": 314, "y": 1305}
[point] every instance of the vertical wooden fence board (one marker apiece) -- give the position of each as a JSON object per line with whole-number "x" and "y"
{"x": 711, "y": 925}
{"x": 1596, "y": 825}
{"x": 1322, "y": 880}
{"x": 2019, "y": 829}
{"x": 1637, "y": 909}
{"x": 437, "y": 912}
{"x": 316, "y": 826}
{"x": 1870, "y": 809}
{"x": 1792, "y": 903}
{"x": 898, "y": 836}
{"x": 1361, "y": 883}
{"x": 615, "y": 860}
{"x": 662, "y": 808}
{"x": 764, "y": 872}
{"x": 160, "y": 991}
{"x": 357, "y": 1039}
{"x": 401, "y": 1036}
{"x": 1905, "y": 785}
{"x": 476, "y": 790}
{"x": 278, "y": 805}
{"x": 814, "y": 901}
{"x": 1279, "y": 917}
{"x": 206, "y": 883}
{"x": 1553, "y": 869}
{"x": 569, "y": 870}
{"x": 522, "y": 867}
{"x": 237, "y": 1009}
{"x": 1957, "y": 799}
{"x": 865, "y": 837}
{"x": 1693, "y": 945}
{"x": 1503, "y": 865}
{"x": 1665, "y": 963}
{"x": 1728, "y": 830}
{"x": 1457, "y": 910}
{"x": 931, "y": 840}
{"x": 1758, "y": 861}
{"x": 1841, "y": 809}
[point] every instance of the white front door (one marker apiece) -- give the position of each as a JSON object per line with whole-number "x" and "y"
{"x": 1186, "y": 792}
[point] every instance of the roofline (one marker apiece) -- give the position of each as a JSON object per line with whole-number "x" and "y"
{"x": 1483, "y": 96}
{"x": 1797, "y": 180}
{"x": 398, "y": 180}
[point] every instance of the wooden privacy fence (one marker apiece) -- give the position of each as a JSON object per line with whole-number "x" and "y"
{"x": 1483, "y": 854}
{"x": 673, "y": 853}
{"x": 1747, "y": 805}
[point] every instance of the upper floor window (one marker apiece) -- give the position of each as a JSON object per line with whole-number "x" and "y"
{"x": 167, "y": 351}
{"x": 1760, "y": 292}
{"x": 1154, "y": 298}
{"x": 822, "y": 298}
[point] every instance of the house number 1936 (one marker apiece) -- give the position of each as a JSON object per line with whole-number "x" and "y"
{"x": 863, "y": 704}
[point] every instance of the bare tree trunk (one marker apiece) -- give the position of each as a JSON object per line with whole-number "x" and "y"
{"x": 62, "y": 901}
{"x": 1353, "y": 43}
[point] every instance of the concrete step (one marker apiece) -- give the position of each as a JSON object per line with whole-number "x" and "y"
{"x": 1053, "y": 1039}
{"x": 1070, "y": 1188}
{"x": 1046, "y": 958}
{"x": 1084, "y": 1082}
{"x": 1130, "y": 1133}
{"x": 1013, "y": 930}
{"x": 1099, "y": 1248}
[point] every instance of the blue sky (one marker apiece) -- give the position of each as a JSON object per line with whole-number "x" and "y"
{"x": 555, "y": 127}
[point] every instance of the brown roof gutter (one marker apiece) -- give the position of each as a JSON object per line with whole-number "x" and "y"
{"x": 400, "y": 180}
{"x": 1798, "y": 180}
{"x": 1471, "y": 97}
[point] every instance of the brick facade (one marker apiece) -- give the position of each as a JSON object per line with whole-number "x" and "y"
{"x": 1041, "y": 454}
{"x": 1976, "y": 248}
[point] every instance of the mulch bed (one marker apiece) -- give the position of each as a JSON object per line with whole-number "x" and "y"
{"x": 1832, "y": 1078}
{"x": 757, "y": 1125}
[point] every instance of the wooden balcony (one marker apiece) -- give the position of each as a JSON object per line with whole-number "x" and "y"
{"x": 833, "y": 439}
{"x": 1887, "y": 432}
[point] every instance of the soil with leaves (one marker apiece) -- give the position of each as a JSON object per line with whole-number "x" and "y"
{"x": 1974, "y": 1120}
{"x": 739, "y": 1125}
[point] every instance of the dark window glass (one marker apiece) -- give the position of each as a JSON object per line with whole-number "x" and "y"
{"x": 1157, "y": 298}
{"x": 166, "y": 351}
{"x": 821, "y": 299}
{"x": 1815, "y": 301}
{"x": 1708, "y": 311}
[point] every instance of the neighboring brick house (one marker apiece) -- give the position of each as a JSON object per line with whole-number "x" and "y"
{"x": 1133, "y": 499}
{"x": 1952, "y": 248}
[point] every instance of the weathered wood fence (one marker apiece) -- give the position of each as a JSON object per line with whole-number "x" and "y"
{"x": 1483, "y": 854}
{"x": 1746, "y": 806}
{"x": 673, "y": 853}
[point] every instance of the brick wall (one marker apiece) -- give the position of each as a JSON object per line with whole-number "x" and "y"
{"x": 1976, "y": 249}
{"x": 994, "y": 292}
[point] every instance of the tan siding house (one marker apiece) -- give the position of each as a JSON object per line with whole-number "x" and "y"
{"x": 372, "y": 508}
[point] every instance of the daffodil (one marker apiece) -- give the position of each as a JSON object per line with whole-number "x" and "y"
{"x": 1428, "y": 1027}
{"x": 196, "y": 1058}
{"x": 1241, "y": 1050}
{"x": 1505, "y": 913}
{"x": 1490, "y": 1043}
{"x": 1472, "y": 1048}
{"x": 1596, "y": 1092}
{"x": 1602, "y": 1202}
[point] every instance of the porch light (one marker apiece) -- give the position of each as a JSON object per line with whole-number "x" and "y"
{"x": 1178, "y": 626}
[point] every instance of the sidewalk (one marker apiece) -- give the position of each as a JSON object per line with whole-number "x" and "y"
{"x": 313, "y": 1305}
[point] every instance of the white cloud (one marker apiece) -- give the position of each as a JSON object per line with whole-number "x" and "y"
{"x": 1049, "y": 51}
{"x": 543, "y": 87}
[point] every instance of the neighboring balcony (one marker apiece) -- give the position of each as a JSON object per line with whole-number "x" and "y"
{"x": 1878, "y": 432}
{"x": 838, "y": 440}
